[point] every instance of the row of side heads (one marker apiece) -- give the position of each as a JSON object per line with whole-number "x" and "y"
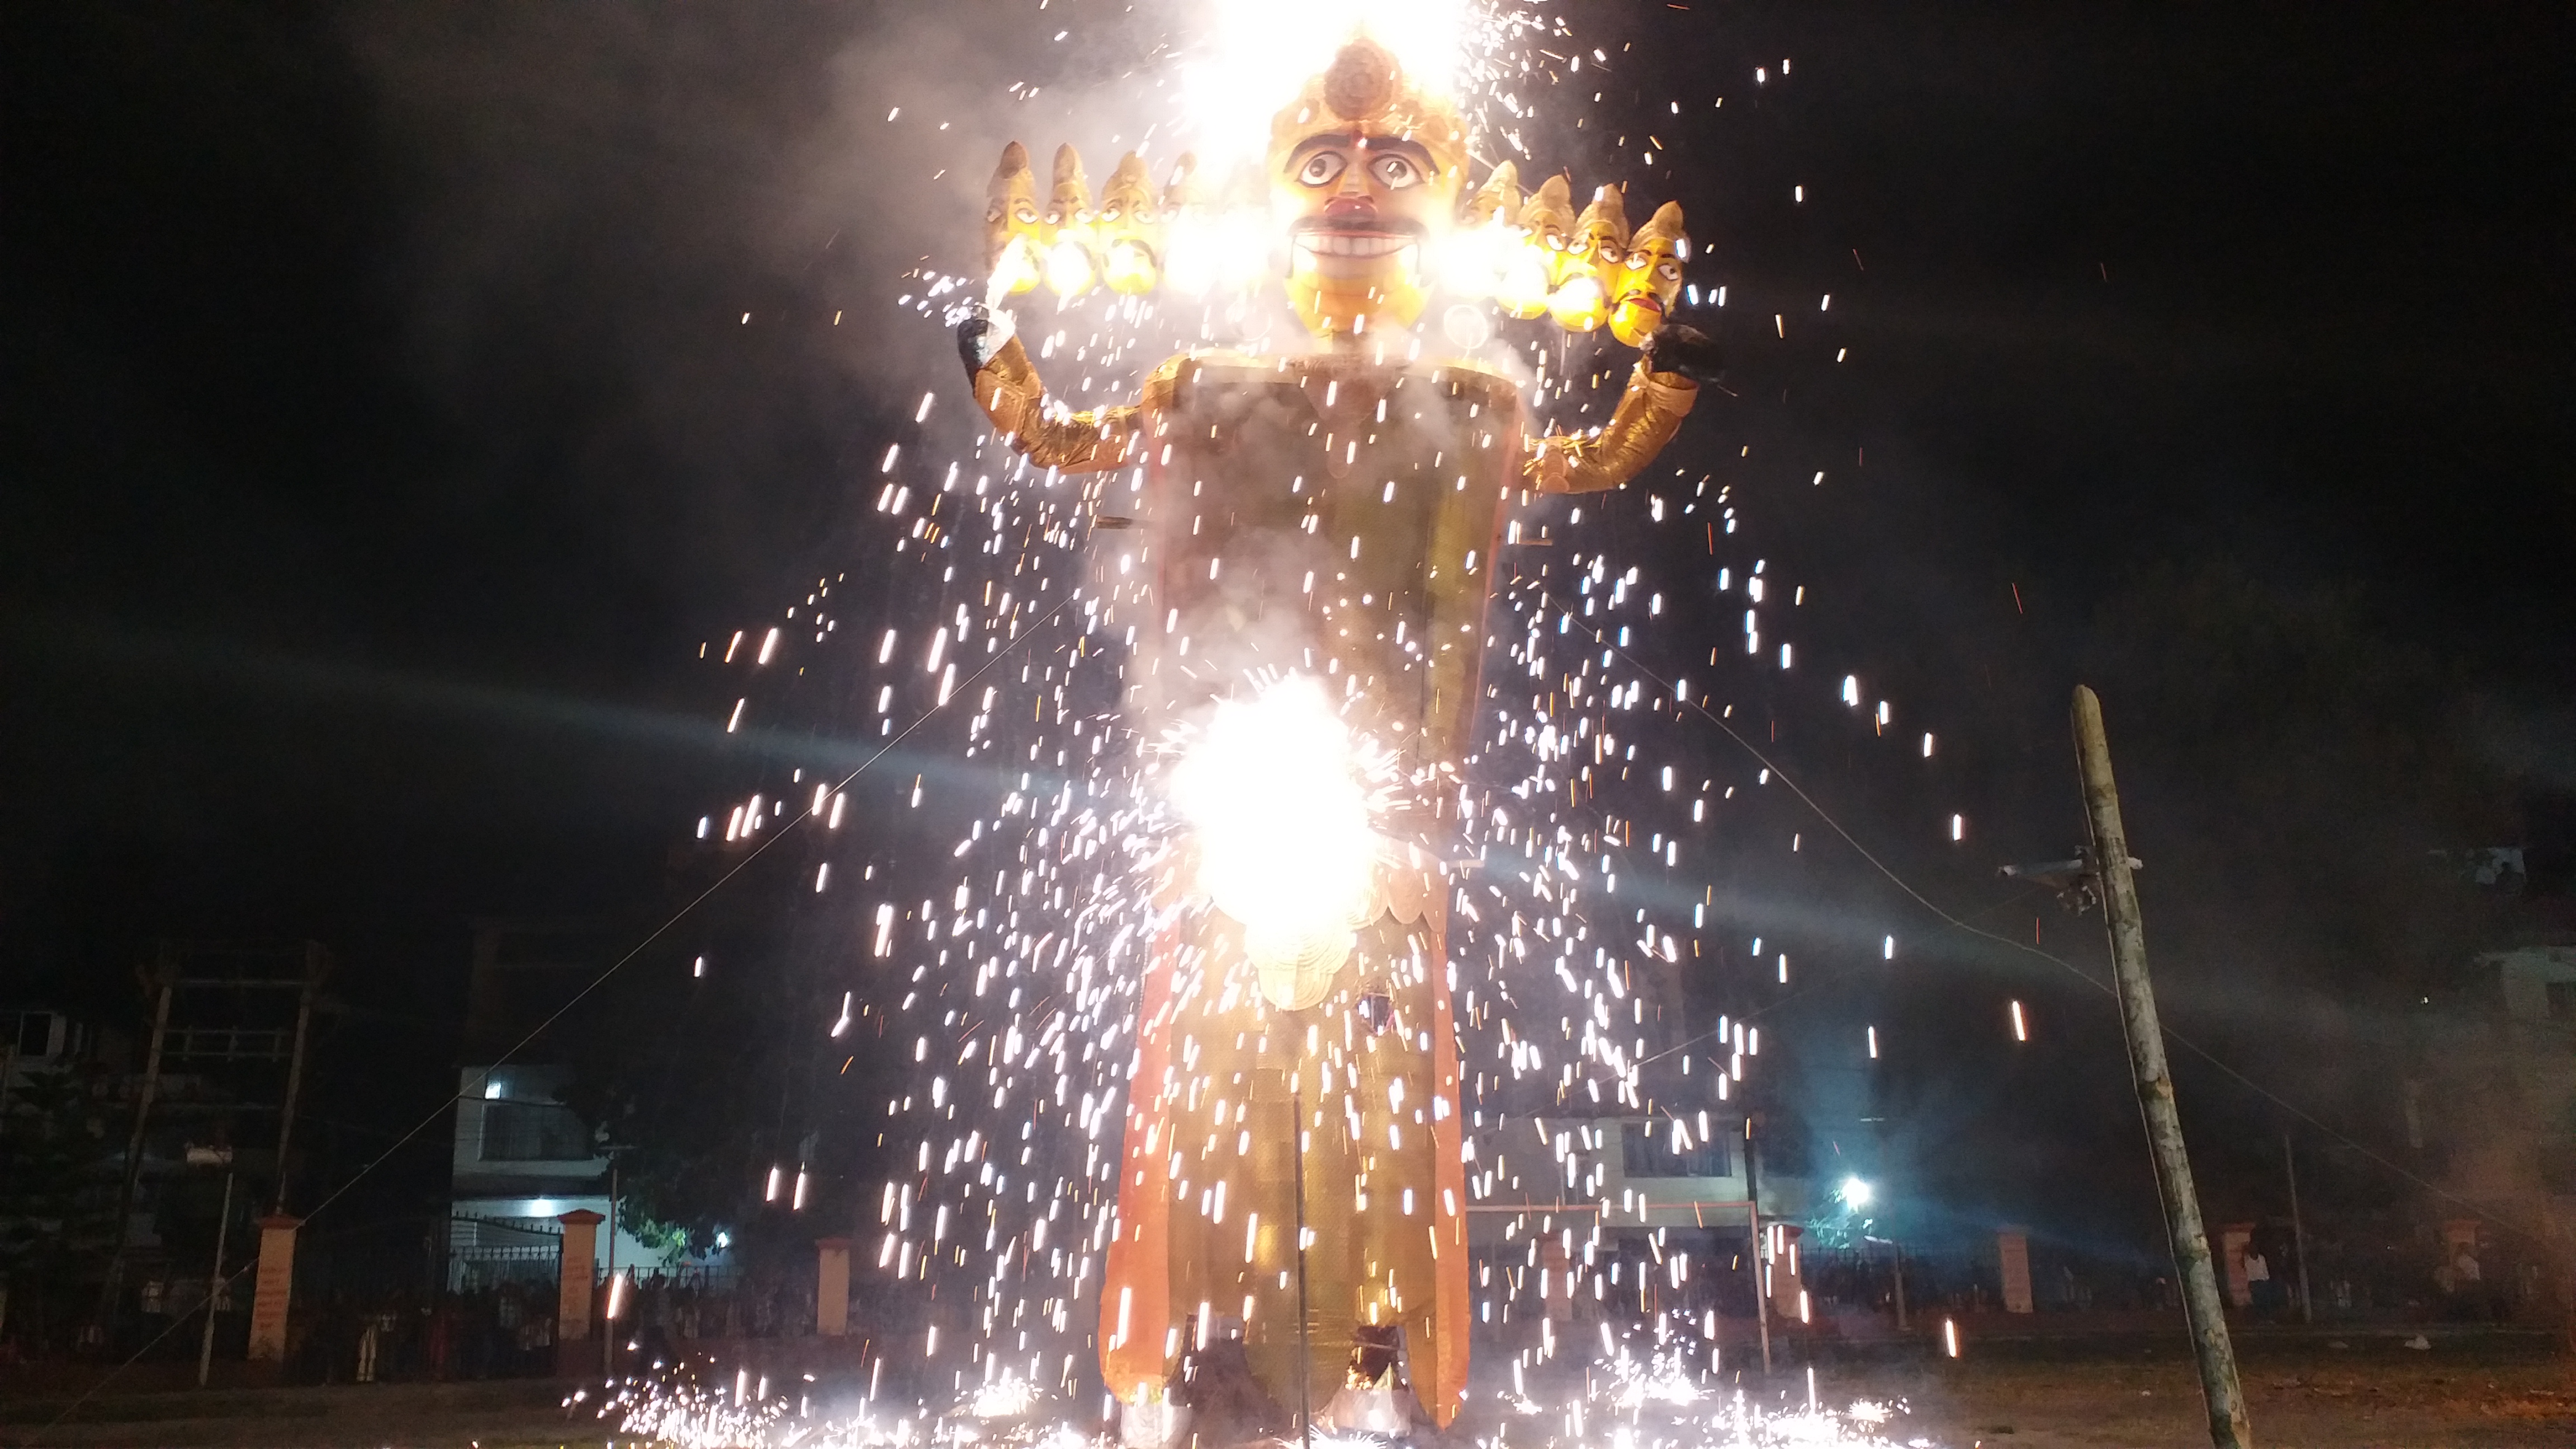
{"x": 1532, "y": 253}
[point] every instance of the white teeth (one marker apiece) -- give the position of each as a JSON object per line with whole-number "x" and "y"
{"x": 1338, "y": 244}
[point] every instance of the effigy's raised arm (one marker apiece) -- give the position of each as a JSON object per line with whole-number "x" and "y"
{"x": 1660, "y": 393}
{"x": 1068, "y": 245}
{"x": 1007, "y": 388}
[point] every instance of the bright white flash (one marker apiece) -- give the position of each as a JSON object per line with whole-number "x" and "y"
{"x": 1275, "y": 791}
{"x": 1258, "y": 53}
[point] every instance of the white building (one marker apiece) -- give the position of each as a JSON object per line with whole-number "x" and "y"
{"x": 1594, "y": 1217}
{"x": 522, "y": 1159}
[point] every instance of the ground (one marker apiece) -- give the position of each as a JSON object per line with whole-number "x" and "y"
{"x": 2464, "y": 1391}
{"x": 2355, "y": 1392}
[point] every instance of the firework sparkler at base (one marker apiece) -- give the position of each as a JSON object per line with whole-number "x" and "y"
{"x": 1626, "y": 1404}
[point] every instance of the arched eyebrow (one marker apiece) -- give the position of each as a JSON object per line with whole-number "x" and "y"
{"x": 1413, "y": 151}
{"x": 1313, "y": 144}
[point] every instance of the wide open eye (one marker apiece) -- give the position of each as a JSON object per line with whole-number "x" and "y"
{"x": 1396, "y": 172}
{"x": 1321, "y": 168}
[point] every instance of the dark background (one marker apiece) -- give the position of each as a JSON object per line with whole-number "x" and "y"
{"x": 383, "y": 434}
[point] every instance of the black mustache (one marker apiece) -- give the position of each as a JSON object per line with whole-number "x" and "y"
{"x": 1398, "y": 226}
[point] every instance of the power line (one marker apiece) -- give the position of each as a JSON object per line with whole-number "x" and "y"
{"x": 2177, "y": 1038}
{"x": 576, "y": 999}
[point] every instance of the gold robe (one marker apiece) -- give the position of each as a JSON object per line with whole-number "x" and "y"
{"x": 1337, "y": 517}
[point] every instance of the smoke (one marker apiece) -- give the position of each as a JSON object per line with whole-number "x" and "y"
{"x": 650, "y": 261}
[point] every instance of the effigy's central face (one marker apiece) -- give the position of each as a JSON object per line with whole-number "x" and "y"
{"x": 1361, "y": 213}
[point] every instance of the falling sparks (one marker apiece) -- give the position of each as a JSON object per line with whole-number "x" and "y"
{"x": 1635, "y": 1400}
{"x": 1004, "y": 965}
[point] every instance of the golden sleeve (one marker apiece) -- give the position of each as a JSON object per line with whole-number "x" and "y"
{"x": 1092, "y": 441}
{"x": 1649, "y": 413}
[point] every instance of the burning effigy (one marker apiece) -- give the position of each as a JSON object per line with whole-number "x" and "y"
{"x": 1301, "y": 541}
{"x": 1328, "y": 867}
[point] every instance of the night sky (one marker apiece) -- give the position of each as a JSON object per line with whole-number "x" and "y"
{"x": 382, "y": 437}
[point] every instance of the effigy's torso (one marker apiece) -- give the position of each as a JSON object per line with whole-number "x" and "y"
{"x": 1333, "y": 518}
{"x": 1328, "y": 515}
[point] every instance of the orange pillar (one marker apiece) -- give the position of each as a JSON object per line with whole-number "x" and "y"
{"x": 832, "y": 1287}
{"x": 273, "y": 1287}
{"x": 576, "y": 1277}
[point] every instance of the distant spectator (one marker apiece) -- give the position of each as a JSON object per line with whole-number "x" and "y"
{"x": 2259, "y": 1284}
{"x": 2469, "y": 1280}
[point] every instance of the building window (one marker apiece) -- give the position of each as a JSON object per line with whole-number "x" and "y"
{"x": 2562, "y": 1000}
{"x": 533, "y": 1132}
{"x": 32, "y": 1032}
{"x": 1646, "y": 1150}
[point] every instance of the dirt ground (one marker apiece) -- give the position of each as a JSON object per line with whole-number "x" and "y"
{"x": 2487, "y": 1391}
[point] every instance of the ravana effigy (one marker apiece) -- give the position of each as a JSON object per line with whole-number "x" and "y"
{"x": 1307, "y": 541}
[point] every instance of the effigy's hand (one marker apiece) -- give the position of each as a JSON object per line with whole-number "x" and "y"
{"x": 981, "y": 334}
{"x": 1677, "y": 347}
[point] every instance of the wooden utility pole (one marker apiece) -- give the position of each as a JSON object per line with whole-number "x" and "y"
{"x": 317, "y": 966}
{"x": 161, "y": 980}
{"x": 608, "y": 1304}
{"x": 215, "y": 1279}
{"x": 2216, "y": 1355}
{"x": 1760, "y": 1258}
{"x": 2298, "y": 1226}
{"x": 1901, "y": 1324}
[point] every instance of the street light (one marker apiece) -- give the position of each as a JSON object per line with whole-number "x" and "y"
{"x": 1856, "y": 1193}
